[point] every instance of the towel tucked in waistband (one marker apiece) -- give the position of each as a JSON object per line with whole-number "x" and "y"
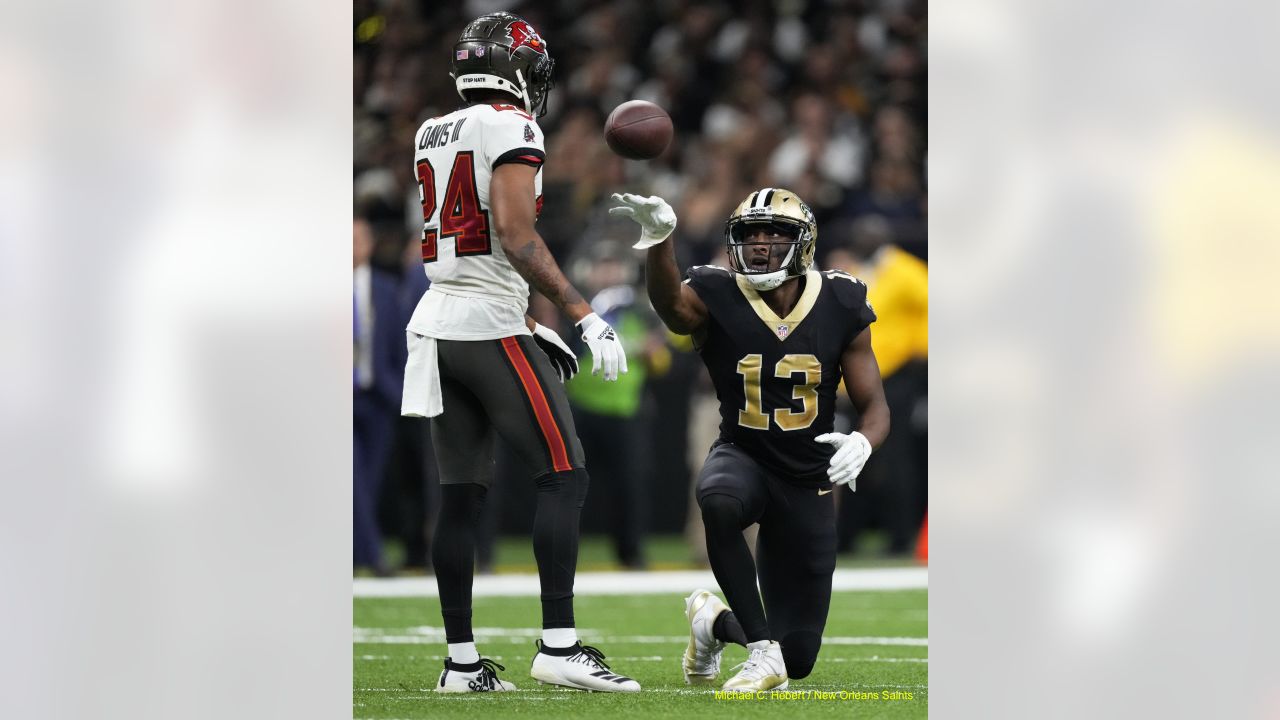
{"x": 422, "y": 396}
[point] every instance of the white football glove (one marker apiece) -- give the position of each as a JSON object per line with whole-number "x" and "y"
{"x": 852, "y": 451}
{"x": 606, "y": 349}
{"x": 562, "y": 358}
{"x": 656, "y": 218}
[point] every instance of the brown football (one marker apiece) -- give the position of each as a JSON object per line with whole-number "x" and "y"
{"x": 638, "y": 130}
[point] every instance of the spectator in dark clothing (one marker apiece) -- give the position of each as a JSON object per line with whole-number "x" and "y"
{"x": 378, "y": 359}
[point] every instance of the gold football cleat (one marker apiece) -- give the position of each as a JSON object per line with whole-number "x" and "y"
{"x": 764, "y": 670}
{"x": 701, "y": 663}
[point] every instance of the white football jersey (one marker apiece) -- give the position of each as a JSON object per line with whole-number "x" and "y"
{"x": 475, "y": 293}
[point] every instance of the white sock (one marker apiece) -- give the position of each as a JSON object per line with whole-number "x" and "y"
{"x": 759, "y": 645}
{"x": 559, "y": 637}
{"x": 464, "y": 653}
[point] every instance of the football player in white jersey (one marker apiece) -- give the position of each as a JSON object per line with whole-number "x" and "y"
{"x": 478, "y": 365}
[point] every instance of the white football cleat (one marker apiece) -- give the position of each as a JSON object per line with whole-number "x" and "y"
{"x": 581, "y": 667}
{"x": 480, "y": 676}
{"x": 701, "y": 662}
{"x": 764, "y": 670}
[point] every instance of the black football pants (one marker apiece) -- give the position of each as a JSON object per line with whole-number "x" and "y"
{"x": 504, "y": 387}
{"x": 795, "y": 552}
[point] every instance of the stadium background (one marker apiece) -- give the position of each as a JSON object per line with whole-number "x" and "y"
{"x": 825, "y": 98}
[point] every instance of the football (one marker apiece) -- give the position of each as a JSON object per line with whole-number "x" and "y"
{"x": 638, "y": 130}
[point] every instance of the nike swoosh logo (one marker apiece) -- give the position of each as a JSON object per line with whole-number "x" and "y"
{"x": 825, "y": 492}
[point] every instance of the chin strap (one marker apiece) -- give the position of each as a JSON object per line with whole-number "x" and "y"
{"x": 766, "y": 281}
{"x": 524, "y": 92}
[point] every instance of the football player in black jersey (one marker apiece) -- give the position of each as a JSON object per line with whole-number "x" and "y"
{"x": 777, "y": 338}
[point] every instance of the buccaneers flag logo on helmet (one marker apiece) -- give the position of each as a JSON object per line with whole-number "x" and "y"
{"x": 522, "y": 34}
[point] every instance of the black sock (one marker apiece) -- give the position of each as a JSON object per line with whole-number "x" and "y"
{"x": 722, "y": 516}
{"x": 453, "y": 553}
{"x": 573, "y": 649}
{"x": 728, "y": 629}
{"x": 555, "y": 542}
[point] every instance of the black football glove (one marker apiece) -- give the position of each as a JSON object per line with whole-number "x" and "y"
{"x": 562, "y": 358}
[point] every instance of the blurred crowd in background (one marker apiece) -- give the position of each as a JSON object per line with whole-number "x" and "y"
{"x": 827, "y": 99}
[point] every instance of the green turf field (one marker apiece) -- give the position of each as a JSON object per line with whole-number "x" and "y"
{"x": 875, "y": 644}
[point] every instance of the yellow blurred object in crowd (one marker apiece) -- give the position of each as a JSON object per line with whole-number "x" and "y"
{"x": 898, "y": 290}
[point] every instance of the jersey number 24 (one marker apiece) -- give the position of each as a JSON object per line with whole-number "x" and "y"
{"x": 461, "y": 216}
{"x": 753, "y": 415}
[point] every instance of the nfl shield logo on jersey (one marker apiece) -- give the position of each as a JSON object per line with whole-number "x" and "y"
{"x": 782, "y": 332}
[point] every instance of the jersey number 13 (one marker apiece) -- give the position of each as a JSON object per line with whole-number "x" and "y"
{"x": 806, "y": 391}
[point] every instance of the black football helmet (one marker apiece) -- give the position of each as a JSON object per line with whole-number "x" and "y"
{"x": 502, "y": 51}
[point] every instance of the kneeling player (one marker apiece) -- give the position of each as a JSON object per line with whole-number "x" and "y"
{"x": 776, "y": 337}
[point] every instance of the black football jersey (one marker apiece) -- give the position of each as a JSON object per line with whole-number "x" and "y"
{"x": 776, "y": 378}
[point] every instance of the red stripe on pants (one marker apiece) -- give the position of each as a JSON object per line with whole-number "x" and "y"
{"x": 541, "y": 408}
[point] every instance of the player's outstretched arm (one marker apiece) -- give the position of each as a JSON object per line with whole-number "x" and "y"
{"x": 676, "y": 303}
{"x": 513, "y": 211}
{"x": 680, "y": 308}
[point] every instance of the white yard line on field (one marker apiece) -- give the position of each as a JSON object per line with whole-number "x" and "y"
{"x": 551, "y": 692}
{"x": 427, "y": 635}
{"x": 632, "y": 583}
{"x": 643, "y": 658}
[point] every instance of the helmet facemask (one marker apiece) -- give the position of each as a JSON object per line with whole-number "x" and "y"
{"x": 538, "y": 87}
{"x": 784, "y": 240}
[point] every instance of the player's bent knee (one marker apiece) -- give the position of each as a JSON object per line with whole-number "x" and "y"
{"x": 463, "y": 500}
{"x": 819, "y": 565}
{"x": 581, "y": 482}
{"x": 800, "y": 652}
{"x": 571, "y": 482}
{"x": 720, "y": 511}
